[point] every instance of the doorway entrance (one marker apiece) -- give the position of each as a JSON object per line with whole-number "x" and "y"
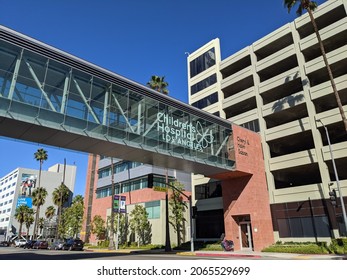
{"x": 246, "y": 236}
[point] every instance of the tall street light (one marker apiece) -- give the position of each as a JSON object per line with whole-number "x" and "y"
{"x": 337, "y": 178}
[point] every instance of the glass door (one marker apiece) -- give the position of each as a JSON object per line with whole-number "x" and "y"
{"x": 246, "y": 235}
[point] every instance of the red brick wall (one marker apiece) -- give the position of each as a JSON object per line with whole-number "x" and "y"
{"x": 245, "y": 191}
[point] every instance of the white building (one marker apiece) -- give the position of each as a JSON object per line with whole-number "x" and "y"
{"x": 17, "y": 186}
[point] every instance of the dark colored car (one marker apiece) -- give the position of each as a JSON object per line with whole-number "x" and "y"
{"x": 5, "y": 243}
{"x": 73, "y": 244}
{"x": 40, "y": 245}
{"x": 29, "y": 244}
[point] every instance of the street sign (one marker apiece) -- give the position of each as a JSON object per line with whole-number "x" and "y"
{"x": 159, "y": 189}
{"x": 119, "y": 204}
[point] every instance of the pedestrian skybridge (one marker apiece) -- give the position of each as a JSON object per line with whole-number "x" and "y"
{"x": 51, "y": 97}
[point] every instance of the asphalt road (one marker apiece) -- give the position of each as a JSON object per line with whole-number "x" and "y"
{"x": 12, "y": 253}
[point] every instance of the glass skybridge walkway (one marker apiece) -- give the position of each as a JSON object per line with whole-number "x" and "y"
{"x": 51, "y": 97}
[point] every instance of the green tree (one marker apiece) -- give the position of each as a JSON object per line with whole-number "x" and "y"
{"x": 98, "y": 227}
{"x": 159, "y": 84}
{"x": 29, "y": 219}
{"x": 39, "y": 198}
{"x": 60, "y": 195}
{"x": 50, "y": 212}
{"x": 41, "y": 156}
{"x": 140, "y": 225}
{"x": 123, "y": 227}
{"x": 310, "y": 7}
{"x": 20, "y": 214}
{"x": 178, "y": 207}
{"x": 41, "y": 224}
{"x": 74, "y": 216}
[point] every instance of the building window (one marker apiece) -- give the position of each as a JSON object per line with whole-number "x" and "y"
{"x": 208, "y": 190}
{"x": 104, "y": 173}
{"x": 205, "y": 83}
{"x": 153, "y": 209}
{"x": 118, "y": 167}
{"x": 207, "y": 101}
{"x": 317, "y": 226}
{"x": 209, "y": 224}
{"x": 202, "y": 62}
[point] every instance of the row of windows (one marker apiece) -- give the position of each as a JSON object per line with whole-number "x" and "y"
{"x": 133, "y": 185}
{"x": 202, "y": 62}
{"x": 6, "y": 195}
{"x": 7, "y": 187}
{"x": 4, "y": 181}
{"x": 304, "y": 227}
{"x": 4, "y": 219}
{"x": 207, "y": 101}
{"x": 117, "y": 168}
{"x": 208, "y": 190}
{"x": 205, "y": 83}
{"x": 6, "y": 202}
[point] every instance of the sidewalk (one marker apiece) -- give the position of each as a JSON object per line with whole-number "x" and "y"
{"x": 259, "y": 255}
{"x": 235, "y": 254}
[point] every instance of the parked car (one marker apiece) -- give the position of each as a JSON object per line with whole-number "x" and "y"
{"x": 56, "y": 245}
{"x": 73, "y": 244}
{"x": 5, "y": 243}
{"x": 29, "y": 244}
{"x": 41, "y": 244}
{"x": 20, "y": 242}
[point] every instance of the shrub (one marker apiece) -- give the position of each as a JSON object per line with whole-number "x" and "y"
{"x": 299, "y": 248}
{"x": 338, "y": 246}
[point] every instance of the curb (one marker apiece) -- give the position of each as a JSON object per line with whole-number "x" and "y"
{"x": 225, "y": 255}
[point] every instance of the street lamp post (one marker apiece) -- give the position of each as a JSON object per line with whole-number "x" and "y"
{"x": 167, "y": 225}
{"x": 337, "y": 177}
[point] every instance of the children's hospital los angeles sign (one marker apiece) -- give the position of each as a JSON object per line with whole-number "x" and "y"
{"x": 186, "y": 134}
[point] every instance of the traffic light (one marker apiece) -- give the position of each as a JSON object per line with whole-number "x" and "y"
{"x": 332, "y": 195}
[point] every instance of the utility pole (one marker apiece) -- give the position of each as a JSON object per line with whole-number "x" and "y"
{"x": 111, "y": 244}
{"x": 167, "y": 225}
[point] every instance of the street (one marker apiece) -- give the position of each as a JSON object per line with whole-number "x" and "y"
{"x": 12, "y": 253}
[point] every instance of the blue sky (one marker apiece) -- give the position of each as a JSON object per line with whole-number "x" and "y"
{"x": 135, "y": 39}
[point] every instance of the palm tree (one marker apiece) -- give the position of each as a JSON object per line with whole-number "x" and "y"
{"x": 60, "y": 195}
{"x": 310, "y": 6}
{"x": 41, "y": 155}
{"x": 39, "y": 198}
{"x": 29, "y": 219}
{"x": 41, "y": 224}
{"x": 157, "y": 83}
{"x": 50, "y": 212}
{"x": 20, "y": 214}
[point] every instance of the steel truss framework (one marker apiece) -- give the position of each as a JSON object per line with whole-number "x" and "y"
{"x": 42, "y": 85}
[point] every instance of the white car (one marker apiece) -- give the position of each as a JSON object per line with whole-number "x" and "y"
{"x": 20, "y": 242}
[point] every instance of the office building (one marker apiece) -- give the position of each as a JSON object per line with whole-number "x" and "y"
{"x": 16, "y": 189}
{"x": 131, "y": 181}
